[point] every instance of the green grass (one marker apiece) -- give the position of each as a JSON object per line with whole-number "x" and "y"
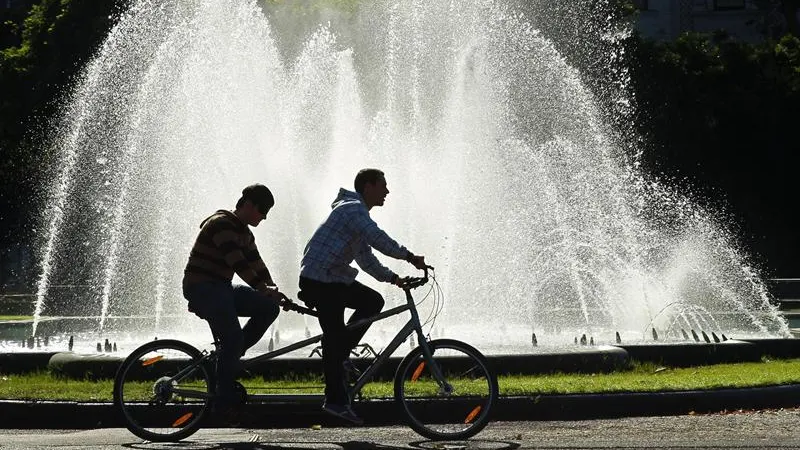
{"x": 45, "y": 386}
{"x": 642, "y": 378}
{"x": 650, "y": 378}
{"x": 15, "y": 317}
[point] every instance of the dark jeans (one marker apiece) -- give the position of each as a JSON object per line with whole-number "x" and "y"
{"x": 331, "y": 299}
{"x": 221, "y": 304}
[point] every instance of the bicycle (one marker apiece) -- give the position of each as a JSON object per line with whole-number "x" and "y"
{"x": 446, "y": 388}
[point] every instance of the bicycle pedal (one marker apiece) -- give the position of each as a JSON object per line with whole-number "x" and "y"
{"x": 240, "y": 392}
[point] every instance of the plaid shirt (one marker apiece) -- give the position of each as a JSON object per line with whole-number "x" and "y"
{"x": 348, "y": 234}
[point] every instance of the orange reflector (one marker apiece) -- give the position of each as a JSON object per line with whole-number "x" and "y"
{"x": 152, "y": 360}
{"x": 474, "y": 413}
{"x": 418, "y": 371}
{"x": 182, "y": 419}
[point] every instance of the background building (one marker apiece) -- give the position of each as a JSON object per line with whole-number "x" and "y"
{"x": 746, "y": 20}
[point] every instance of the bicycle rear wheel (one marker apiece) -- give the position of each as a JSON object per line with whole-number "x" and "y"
{"x": 163, "y": 390}
{"x": 461, "y": 407}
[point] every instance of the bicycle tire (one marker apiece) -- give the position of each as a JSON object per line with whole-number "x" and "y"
{"x": 459, "y": 414}
{"x": 144, "y": 394}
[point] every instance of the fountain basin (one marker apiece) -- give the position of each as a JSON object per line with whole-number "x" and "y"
{"x": 583, "y": 359}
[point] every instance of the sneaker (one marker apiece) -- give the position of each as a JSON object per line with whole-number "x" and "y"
{"x": 343, "y": 411}
{"x": 229, "y": 415}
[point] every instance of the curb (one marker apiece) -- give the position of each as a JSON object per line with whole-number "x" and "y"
{"x": 80, "y": 415}
{"x": 609, "y": 406}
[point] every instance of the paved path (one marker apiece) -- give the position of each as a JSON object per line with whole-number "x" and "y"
{"x": 774, "y": 429}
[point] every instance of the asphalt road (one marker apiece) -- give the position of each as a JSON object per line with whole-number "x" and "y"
{"x": 769, "y": 429}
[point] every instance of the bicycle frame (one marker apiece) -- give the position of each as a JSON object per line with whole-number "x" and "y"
{"x": 412, "y": 325}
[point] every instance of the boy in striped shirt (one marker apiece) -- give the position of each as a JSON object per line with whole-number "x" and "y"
{"x": 224, "y": 246}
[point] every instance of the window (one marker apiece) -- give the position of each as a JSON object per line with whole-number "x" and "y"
{"x": 699, "y": 5}
{"x": 727, "y": 5}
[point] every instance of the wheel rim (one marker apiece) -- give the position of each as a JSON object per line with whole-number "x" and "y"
{"x": 150, "y": 397}
{"x": 455, "y": 410}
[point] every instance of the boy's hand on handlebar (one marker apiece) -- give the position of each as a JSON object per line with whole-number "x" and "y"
{"x": 399, "y": 281}
{"x": 418, "y": 261}
{"x": 286, "y": 303}
{"x": 272, "y": 293}
{"x": 409, "y": 282}
{"x": 283, "y": 301}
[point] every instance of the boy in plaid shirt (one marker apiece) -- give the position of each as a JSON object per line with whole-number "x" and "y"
{"x": 327, "y": 280}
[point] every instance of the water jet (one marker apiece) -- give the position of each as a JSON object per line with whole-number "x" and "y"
{"x": 470, "y": 110}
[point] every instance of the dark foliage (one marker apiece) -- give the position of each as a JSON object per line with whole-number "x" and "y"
{"x": 44, "y": 45}
{"x": 721, "y": 115}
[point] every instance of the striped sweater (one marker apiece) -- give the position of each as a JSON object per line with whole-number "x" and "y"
{"x": 226, "y": 245}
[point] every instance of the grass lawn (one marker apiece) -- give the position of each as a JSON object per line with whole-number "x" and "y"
{"x": 2, "y": 318}
{"x": 642, "y": 378}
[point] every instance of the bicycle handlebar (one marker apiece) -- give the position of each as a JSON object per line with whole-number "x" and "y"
{"x": 289, "y": 305}
{"x": 299, "y": 309}
{"x": 415, "y": 282}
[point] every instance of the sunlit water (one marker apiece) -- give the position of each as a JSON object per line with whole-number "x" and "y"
{"x": 500, "y": 167}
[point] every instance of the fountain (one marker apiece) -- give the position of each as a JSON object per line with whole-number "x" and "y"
{"x": 501, "y": 167}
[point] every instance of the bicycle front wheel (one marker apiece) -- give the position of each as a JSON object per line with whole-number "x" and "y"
{"x": 163, "y": 390}
{"x": 456, "y": 407}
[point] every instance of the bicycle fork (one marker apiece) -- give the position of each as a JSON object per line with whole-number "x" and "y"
{"x": 445, "y": 388}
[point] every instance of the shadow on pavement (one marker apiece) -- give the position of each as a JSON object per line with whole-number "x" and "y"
{"x": 326, "y": 445}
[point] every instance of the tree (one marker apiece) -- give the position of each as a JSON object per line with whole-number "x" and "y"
{"x": 720, "y": 118}
{"x": 780, "y": 17}
{"x": 40, "y": 58}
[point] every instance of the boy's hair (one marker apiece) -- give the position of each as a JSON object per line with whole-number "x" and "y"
{"x": 258, "y": 194}
{"x": 365, "y": 176}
